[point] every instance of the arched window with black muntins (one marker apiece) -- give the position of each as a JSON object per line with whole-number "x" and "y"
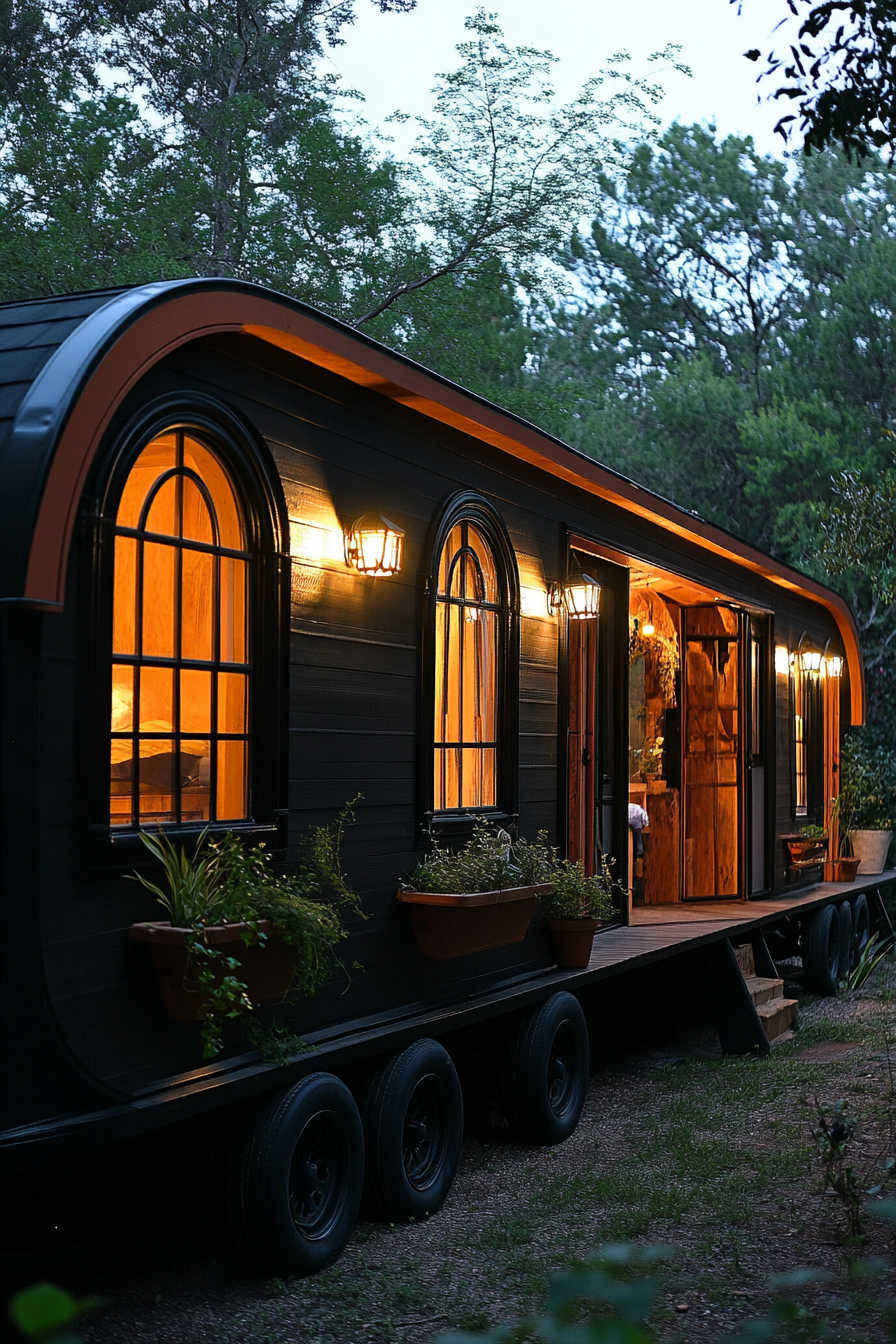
{"x": 473, "y": 664}
{"x": 181, "y": 667}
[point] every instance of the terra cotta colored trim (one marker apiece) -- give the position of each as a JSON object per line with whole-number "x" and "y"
{"x": 172, "y": 322}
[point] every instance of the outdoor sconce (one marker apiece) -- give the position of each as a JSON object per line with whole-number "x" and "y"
{"x": 374, "y": 546}
{"x": 782, "y": 660}
{"x": 834, "y": 666}
{"x": 580, "y": 594}
{"x": 810, "y": 660}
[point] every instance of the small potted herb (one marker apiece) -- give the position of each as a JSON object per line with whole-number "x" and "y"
{"x": 575, "y": 906}
{"x": 237, "y": 934}
{"x": 478, "y": 897}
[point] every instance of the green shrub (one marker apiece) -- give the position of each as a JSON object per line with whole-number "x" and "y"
{"x": 575, "y": 896}
{"x": 489, "y": 861}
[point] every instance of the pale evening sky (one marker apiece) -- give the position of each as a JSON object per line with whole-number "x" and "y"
{"x": 393, "y": 58}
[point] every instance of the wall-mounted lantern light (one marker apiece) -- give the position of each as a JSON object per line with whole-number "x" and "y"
{"x": 580, "y": 594}
{"x": 810, "y": 660}
{"x": 782, "y": 660}
{"x": 834, "y": 666}
{"x": 374, "y": 546}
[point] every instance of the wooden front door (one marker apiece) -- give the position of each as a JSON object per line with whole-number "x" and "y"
{"x": 596, "y": 746}
{"x": 582, "y": 821}
{"x": 712, "y": 785}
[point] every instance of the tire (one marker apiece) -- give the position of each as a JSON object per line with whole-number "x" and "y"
{"x": 297, "y": 1179}
{"x": 821, "y": 951}
{"x": 861, "y": 927}
{"x": 844, "y": 915}
{"x": 546, "y": 1076}
{"x": 413, "y": 1120}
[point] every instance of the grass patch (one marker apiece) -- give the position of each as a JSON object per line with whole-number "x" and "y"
{"x": 825, "y": 1029}
{"x": 713, "y": 1157}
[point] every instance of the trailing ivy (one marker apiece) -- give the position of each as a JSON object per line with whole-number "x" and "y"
{"x": 224, "y": 882}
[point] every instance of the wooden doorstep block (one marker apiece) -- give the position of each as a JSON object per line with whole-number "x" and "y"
{"x": 777, "y": 1016}
{"x": 763, "y": 988}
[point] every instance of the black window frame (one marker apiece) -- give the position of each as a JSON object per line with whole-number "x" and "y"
{"x": 469, "y": 506}
{"x": 813, "y": 743}
{"x": 256, "y": 481}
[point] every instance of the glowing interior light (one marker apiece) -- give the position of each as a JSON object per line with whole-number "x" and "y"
{"x": 374, "y": 546}
{"x": 648, "y": 628}
{"x": 782, "y": 660}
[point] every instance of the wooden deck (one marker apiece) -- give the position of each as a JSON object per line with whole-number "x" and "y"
{"x": 659, "y": 931}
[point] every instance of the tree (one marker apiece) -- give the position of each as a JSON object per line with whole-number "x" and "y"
{"x": 503, "y": 169}
{"x": 224, "y": 131}
{"x": 841, "y": 72}
{"x": 691, "y": 252}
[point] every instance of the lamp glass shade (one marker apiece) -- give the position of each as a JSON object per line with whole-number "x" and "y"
{"x": 582, "y": 594}
{"x": 374, "y": 546}
{"x": 834, "y": 666}
{"x": 810, "y": 660}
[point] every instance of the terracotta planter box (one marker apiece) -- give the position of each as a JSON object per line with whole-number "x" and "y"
{"x": 573, "y": 940}
{"x": 806, "y": 853}
{"x": 455, "y": 924}
{"x": 266, "y": 969}
{"x": 841, "y": 870}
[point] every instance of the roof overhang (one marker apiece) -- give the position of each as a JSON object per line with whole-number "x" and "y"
{"x": 69, "y": 407}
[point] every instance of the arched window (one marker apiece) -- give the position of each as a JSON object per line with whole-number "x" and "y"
{"x": 180, "y": 640}
{"x": 471, "y": 685}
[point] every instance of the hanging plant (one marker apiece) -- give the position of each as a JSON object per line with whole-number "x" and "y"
{"x": 660, "y": 654}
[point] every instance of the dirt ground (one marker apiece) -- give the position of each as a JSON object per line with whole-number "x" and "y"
{"x": 679, "y": 1145}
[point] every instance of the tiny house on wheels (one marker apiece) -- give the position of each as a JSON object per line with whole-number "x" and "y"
{"x": 253, "y": 564}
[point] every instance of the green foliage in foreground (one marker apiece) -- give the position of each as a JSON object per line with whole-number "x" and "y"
{"x": 44, "y": 1312}
{"x": 612, "y": 1297}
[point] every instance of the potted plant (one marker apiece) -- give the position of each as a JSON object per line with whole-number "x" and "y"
{"x": 575, "y": 905}
{"x": 237, "y": 934}
{"x": 478, "y": 897}
{"x": 867, "y": 800}
{"x": 840, "y": 867}
{"x": 808, "y": 847}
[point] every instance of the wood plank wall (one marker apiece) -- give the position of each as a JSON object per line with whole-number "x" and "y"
{"x": 354, "y": 675}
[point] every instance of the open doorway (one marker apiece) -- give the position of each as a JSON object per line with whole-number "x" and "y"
{"x": 694, "y": 663}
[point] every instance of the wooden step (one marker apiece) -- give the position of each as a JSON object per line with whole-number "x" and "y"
{"x": 777, "y": 1016}
{"x": 762, "y": 988}
{"x": 744, "y": 958}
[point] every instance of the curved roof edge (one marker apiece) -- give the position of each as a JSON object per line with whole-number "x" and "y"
{"x": 66, "y": 411}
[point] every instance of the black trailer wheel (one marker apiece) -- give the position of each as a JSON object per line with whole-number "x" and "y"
{"x": 821, "y": 951}
{"x": 413, "y": 1126}
{"x": 298, "y": 1177}
{"x": 546, "y": 1075}
{"x": 861, "y": 927}
{"x": 844, "y": 915}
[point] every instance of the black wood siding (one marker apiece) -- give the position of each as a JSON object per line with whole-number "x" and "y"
{"x": 354, "y": 676}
